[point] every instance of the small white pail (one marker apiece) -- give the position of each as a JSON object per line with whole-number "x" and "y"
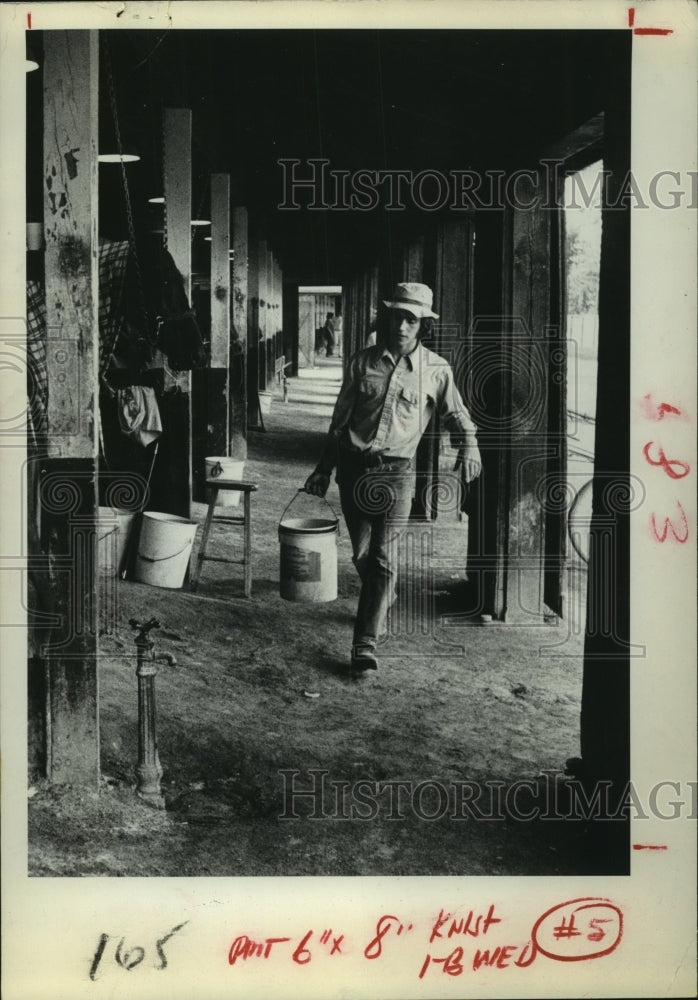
{"x": 164, "y": 548}
{"x": 114, "y": 526}
{"x": 220, "y": 469}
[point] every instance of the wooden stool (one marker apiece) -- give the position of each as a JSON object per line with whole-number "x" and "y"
{"x": 245, "y": 520}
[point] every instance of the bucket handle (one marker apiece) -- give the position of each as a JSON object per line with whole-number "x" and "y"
{"x": 295, "y": 497}
{"x": 216, "y": 470}
{"x": 163, "y": 558}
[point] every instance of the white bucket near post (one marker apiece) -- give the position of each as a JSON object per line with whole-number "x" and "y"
{"x": 221, "y": 469}
{"x": 113, "y": 528}
{"x": 308, "y": 558}
{"x": 164, "y": 548}
{"x": 265, "y": 399}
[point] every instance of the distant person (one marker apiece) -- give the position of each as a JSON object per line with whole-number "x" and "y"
{"x": 324, "y": 337}
{"x": 384, "y": 406}
{"x": 329, "y": 335}
{"x": 319, "y": 340}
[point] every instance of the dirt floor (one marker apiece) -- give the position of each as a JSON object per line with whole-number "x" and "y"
{"x": 261, "y": 686}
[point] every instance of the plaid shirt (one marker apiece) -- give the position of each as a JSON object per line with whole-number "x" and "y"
{"x": 37, "y": 369}
{"x": 113, "y": 258}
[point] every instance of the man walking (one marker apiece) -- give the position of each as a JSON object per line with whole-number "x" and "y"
{"x": 383, "y": 408}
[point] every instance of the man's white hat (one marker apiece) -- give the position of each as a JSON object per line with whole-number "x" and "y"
{"x": 413, "y": 297}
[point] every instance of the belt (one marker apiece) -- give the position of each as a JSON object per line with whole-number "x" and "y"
{"x": 374, "y": 460}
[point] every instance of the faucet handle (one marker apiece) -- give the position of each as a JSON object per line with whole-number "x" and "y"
{"x": 143, "y": 627}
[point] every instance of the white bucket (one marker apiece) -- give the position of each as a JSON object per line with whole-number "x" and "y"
{"x": 308, "y": 559}
{"x": 220, "y": 468}
{"x": 164, "y": 549}
{"x": 265, "y": 401}
{"x": 113, "y": 528}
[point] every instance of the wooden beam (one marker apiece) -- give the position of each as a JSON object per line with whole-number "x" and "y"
{"x": 306, "y": 330}
{"x": 271, "y": 319}
{"x": 177, "y": 171}
{"x": 210, "y": 386}
{"x": 605, "y": 737}
{"x": 279, "y": 310}
{"x": 263, "y": 297}
{"x": 14, "y": 524}
{"x": 177, "y": 421}
{"x": 526, "y": 444}
{"x": 69, "y": 482}
{"x": 290, "y": 326}
{"x": 216, "y": 402}
{"x": 238, "y": 387}
{"x": 254, "y": 343}
{"x": 220, "y": 270}
{"x": 70, "y": 211}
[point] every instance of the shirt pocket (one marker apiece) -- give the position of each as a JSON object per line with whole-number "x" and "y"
{"x": 409, "y": 398}
{"x": 408, "y": 406}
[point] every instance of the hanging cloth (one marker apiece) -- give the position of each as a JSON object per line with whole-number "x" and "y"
{"x": 139, "y": 416}
{"x": 178, "y": 334}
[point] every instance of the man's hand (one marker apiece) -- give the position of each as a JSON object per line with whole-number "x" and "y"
{"x": 469, "y": 458}
{"x": 317, "y": 484}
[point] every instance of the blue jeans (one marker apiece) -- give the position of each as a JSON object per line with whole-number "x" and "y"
{"x": 376, "y": 503}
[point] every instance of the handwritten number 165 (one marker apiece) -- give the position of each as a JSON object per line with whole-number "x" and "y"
{"x": 129, "y": 959}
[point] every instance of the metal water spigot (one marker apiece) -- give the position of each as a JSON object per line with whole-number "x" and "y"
{"x": 149, "y": 770}
{"x": 166, "y": 658}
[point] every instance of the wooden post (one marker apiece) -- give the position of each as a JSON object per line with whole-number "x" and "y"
{"x": 605, "y": 719}
{"x": 263, "y": 299}
{"x": 279, "y": 313}
{"x": 238, "y": 360}
{"x": 177, "y": 422}
{"x": 16, "y": 535}
{"x": 271, "y": 319}
{"x": 253, "y": 329}
{"x": 525, "y": 441}
{"x": 220, "y": 270}
{"x": 218, "y": 378}
{"x": 485, "y": 519}
{"x": 69, "y": 480}
{"x": 306, "y": 331}
{"x": 289, "y": 314}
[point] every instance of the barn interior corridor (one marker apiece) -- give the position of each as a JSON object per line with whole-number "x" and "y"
{"x": 189, "y": 268}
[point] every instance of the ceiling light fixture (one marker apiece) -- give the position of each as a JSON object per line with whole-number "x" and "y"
{"x": 126, "y": 156}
